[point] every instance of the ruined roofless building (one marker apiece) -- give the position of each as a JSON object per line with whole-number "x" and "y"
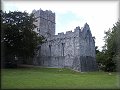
{"x": 75, "y": 50}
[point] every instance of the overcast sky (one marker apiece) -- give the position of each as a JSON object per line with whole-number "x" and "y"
{"x": 100, "y": 15}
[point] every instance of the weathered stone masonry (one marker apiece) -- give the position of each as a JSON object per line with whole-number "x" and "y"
{"x": 75, "y": 50}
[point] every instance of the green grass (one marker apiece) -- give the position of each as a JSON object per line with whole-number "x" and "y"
{"x": 36, "y": 78}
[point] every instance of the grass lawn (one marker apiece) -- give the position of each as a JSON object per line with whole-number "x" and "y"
{"x": 39, "y": 78}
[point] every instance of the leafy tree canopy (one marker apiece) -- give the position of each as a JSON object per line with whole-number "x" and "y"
{"x": 111, "y": 50}
{"x": 18, "y": 36}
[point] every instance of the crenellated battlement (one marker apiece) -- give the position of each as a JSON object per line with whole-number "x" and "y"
{"x": 68, "y": 34}
{"x": 47, "y": 14}
{"x": 60, "y": 34}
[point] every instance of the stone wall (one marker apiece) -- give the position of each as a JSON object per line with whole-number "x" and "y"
{"x": 75, "y": 50}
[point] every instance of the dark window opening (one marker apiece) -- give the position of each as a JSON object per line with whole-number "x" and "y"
{"x": 50, "y": 50}
{"x": 63, "y": 45}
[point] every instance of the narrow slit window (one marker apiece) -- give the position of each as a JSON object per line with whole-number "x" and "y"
{"x": 63, "y": 45}
{"x": 50, "y": 50}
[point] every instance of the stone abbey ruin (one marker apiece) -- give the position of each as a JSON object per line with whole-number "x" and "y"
{"x": 75, "y": 50}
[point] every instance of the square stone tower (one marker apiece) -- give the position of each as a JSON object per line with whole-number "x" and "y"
{"x": 45, "y": 22}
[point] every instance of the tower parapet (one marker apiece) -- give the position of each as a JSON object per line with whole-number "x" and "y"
{"x": 45, "y": 22}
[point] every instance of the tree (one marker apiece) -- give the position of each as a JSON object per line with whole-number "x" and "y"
{"x": 18, "y": 36}
{"x": 111, "y": 51}
{"x": 100, "y": 58}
